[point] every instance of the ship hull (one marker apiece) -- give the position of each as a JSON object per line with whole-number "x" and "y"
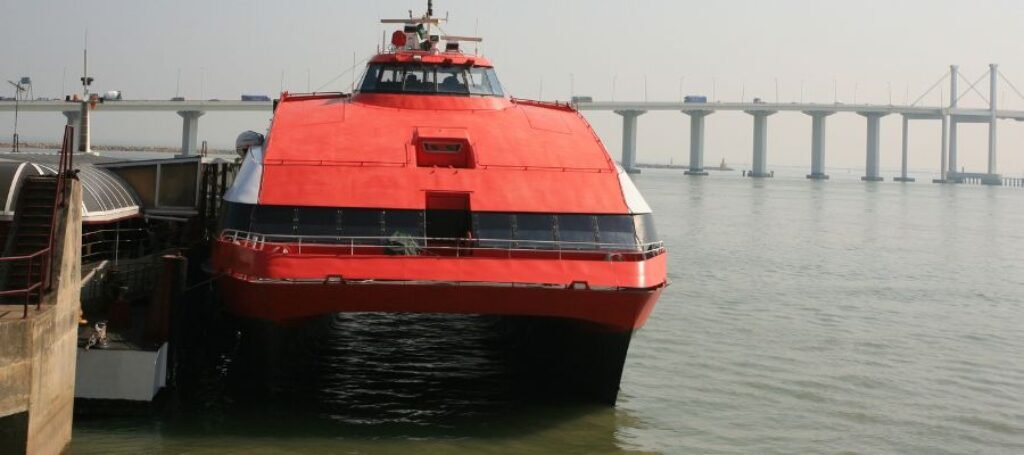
{"x": 432, "y": 360}
{"x": 285, "y": 301}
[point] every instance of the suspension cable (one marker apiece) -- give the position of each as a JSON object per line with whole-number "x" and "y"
{"x": 936, "y": 84}
{"x": 972, "y": 86}
{"x": 1010, "y": 84}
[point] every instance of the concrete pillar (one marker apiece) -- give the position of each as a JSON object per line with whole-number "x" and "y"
{"x": 628, "y": 139}
{"x": 873, "y": 146}
{"x": 74, "y": 118}
{"x": 697, "y": 142}
{"x": 993, "y": 71}
{"x": 760, "y": 167}
{"x": 953, "y": 95}
{"x": 189, "y": 131}
{"x": 945, "y": 148}
{"x": 903, "y": 162}
{"x": 84, "y": 133}
{"x": 943, "y": 174}
{"x": 37, "y": 373}
{"x": 818, "y": 145}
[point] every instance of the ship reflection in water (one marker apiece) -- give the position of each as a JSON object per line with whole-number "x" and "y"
{"x": 364, "y": 382}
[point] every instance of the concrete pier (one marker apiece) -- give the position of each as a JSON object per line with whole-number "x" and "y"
{"x": 628, "y": 139}
{"x": 37, "y": 353}
{"x": 903, "y": 163}
{"x": 189, "y": 132}
{"x": 74, "y": 119}
{"x": 818, "y": 145}
{"x": 871, "y": 166}
{"x": 697, "y": 142}
{"x": 993, "y": 74}
{"x": 760, "y": 167}
{"x": 84, "y": 132}
{"x": 954, "y": 95}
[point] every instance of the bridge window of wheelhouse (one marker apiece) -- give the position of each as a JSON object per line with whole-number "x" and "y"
{"x": 436, "y": 79}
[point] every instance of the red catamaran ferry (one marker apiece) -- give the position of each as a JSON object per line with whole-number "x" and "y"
{"x": 430, "y": 190}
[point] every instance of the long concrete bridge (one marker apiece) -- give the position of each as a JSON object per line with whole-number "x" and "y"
{"x": 950, "y": 116}
{"x": 190, "y": 111}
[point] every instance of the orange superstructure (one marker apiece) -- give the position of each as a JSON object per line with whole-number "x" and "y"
{"x": 431, "y": 190}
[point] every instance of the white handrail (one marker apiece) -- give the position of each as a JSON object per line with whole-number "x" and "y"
{"x": 258, "y": 241}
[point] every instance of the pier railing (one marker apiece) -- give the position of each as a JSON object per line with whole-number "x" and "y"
{"x": 113, "y": 244}
{"x": 42, "y": 260}
{"x": 33, "y": 286}
{"x": 398, "y": 245}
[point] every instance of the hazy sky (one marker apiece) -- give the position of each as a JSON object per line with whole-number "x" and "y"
{"x": 869, "y": 49}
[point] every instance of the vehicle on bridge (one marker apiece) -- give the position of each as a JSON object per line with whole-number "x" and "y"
{"x": 695, "y": 99}
{"x": 255, "y": 97}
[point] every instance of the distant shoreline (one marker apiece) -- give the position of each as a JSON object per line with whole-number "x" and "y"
{"x": 680, "y": 166}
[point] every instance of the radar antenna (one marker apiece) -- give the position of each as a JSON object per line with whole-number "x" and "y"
{"x": 417, "y": 33}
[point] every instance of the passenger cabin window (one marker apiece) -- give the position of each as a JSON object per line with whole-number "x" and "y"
{"x": 446, "y": 215}
{"x": 535, "y": 230}
{"x": 430, "y": 79}
{"x": 577, "y": 231}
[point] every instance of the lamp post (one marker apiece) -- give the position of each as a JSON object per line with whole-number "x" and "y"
{"x": 18, "y": 88}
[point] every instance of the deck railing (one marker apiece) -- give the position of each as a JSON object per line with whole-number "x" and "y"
{"x": 42, "y": 260}
{"x": 113, "y": 244}
{"x": 437, "y": 246}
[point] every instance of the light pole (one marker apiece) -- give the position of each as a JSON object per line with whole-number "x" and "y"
{"x": 17, "y": 100}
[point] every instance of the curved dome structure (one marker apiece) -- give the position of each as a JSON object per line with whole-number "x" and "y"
{"x": 105, "y": 197}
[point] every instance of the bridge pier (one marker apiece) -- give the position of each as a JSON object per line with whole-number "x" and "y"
{"x": 697, "y": 142}
{"x": 993, "y": 74}
{"x": 953, "y": 96}
{"x": 873, "y": 146}
{"x": 189, "y": 131}
{"x": 629, "y": 139}
{"x": 943, "y": 177}
{"x": 760, "y": 167}
{"x": 74, "y": 119}
{"x": 818, "y": 145}
{"x": 903, "y": 166}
